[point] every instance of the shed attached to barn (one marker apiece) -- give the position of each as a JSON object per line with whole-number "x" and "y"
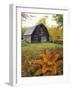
{"x": 38, "y": 33}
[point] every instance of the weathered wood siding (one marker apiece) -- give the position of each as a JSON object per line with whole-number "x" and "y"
{"x": 27, "y": 38}
{"x": 40, "y": 34}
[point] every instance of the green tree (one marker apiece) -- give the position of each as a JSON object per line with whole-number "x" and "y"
{"x": 59, "y": 19}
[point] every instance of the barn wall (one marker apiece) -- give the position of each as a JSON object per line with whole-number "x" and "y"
{"x": 40, "y": 34}
{"x": 27, "y": 38}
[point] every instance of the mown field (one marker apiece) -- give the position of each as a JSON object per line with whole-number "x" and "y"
{"x": 41, "y": 59}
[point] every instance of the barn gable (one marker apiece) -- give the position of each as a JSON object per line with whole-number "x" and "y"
{"x": 38, "y": 33}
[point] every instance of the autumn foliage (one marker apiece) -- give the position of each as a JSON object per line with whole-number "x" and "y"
{"x": 48, "y": 62}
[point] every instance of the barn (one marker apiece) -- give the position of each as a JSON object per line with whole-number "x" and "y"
{"x": 36, "y": 34}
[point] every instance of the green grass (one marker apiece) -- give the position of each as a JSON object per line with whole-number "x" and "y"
{"x": 30, "y": 51}
{"x": 36, "y": 46}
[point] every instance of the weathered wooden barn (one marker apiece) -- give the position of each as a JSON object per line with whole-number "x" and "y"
{"x": 38, "y": 33}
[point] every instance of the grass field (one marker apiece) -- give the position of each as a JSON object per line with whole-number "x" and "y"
{"x": 36, "y": 59}
{"x": 40, "y": 45}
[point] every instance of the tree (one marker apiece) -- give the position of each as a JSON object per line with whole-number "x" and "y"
{"x": 42, "y": 20}
{"x": 59, "y": 19}
{"x": 24, "y": 16}
{"x": 55, "y": 34}
{"x": 23, "y": 30}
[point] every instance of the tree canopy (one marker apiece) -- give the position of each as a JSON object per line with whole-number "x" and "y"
{"x": 59, "y": 19}
{"x": 42, "y": 20}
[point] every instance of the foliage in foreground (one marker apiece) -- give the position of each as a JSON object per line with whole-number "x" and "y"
{"x": 46, "y": 62}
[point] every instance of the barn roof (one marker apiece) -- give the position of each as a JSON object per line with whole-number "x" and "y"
{"x": 29, "y": 30}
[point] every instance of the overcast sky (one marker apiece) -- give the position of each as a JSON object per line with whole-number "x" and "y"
{"x": 32, "y": 19}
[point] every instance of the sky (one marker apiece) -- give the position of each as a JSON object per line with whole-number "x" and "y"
{"x": 29, "y": 20}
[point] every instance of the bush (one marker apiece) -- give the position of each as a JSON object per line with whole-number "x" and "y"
{"x": 47, "y": 62}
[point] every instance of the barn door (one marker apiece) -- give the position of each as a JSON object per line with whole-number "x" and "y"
{"x": 43, "y": 39}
